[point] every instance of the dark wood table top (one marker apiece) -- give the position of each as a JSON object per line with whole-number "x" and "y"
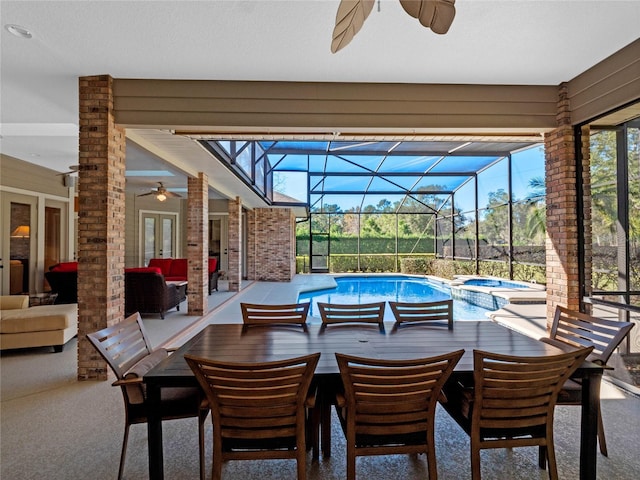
{"x": 232, "y": 342}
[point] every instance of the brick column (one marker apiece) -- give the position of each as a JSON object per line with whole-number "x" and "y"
{"x": 274, "y": 230}
{"x": 252, "y": 248}
{"x": 101, "y": 220}
{"x": 234, "y": 275}
{"x": 197, "y": 242}
{"x": 562, "y": 212}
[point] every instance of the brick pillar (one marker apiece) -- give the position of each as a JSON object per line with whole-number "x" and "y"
{"x": 234, "y": 275}
{"x": 101, "y": 220}
{"x": 197, "y": 241}
{"x": 252, "y": 248}
{"x": 562, "y": 212}
{"x": 275, "y": 240}
{"x": 586, "y": 202}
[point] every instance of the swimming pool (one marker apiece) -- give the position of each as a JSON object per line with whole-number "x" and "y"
{"x": 367, "y": 289}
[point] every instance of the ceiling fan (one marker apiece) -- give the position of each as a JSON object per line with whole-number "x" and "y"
{"x": 72, "y": 169}
{"x": 161, "y": 193}
{"x": 434, "y": 14}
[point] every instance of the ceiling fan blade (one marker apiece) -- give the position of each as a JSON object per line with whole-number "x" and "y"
{"x": 72, "y": 169}
{"x": 350, "y": 17}
{"x": 434, "y": 14}
{"x": 145, "y": 194}
{"x": 171, "y": 194}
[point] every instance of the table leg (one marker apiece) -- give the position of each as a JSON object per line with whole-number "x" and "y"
{"x": 589, "y": 425}
{"x": 154, "y": 433}
{"x": 325, "y": 421}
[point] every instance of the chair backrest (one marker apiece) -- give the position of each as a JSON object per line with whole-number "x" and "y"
{"x": 392, "y": 398}
{"x": 583, "y": 330}
{"x": 513, "y": 393}
{"x": 286, "y": 314}
{"x": 254, "y": 403}
{"x": 122, "y": 345}
{"x": 352, "y": 313}
{"x": 126, "y": 348}
{"x": 438, "y": 311}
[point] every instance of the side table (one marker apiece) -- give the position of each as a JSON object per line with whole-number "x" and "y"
{"x": 45, "y": 298}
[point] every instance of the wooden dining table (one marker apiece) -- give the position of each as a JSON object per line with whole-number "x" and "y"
{"x": 234, "y": 342}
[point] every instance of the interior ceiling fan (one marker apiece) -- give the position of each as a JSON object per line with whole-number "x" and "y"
{"x": 434, "y": 14}
{"x": 161, "y": 193}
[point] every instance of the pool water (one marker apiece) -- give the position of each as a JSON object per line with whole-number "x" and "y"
{"x": 390, "y": 288}
{"x": 488, "y": 282}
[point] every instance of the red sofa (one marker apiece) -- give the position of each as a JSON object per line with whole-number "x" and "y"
{"x": 175, "y": 269}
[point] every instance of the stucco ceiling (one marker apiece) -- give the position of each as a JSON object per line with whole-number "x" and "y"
{"x": 542, "y": 42}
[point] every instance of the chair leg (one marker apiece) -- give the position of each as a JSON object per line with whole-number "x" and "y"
{"x": 431, "y": 455}
{"x": 551, "y": 460}
{"x": 351, "y": 462}
{"x": 123, "y": 454}
{"x": 601, "y": 439}
{"x": 475, "y": 462}
{"x": 301, "y": 461}
{"x": 542, "y": 457}
{"x": 313, "y": 432}
{"x": 201, "y": 419}
{"x": 216, "y": 473}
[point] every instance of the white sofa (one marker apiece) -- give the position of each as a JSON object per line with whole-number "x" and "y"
{"x": 22, "y": 326}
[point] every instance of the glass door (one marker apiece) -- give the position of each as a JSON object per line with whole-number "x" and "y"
{"x": 18, "y": 244}
{"x": 218, "y": 240}
{"x": 320, "y": 247}
{"x": 158, "y": 236}
{"x": 53, "y": 239}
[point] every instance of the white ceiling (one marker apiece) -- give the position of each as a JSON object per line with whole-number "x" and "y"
{"x": 490, "y": 42}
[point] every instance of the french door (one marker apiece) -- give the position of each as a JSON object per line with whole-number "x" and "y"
{"x": 218, "y": 240}
{"x": 158, "y": 238}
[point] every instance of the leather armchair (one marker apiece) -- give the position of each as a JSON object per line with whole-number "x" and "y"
{"x": 63, "y": 280}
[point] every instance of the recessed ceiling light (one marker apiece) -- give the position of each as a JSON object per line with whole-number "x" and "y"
{"x": 18, "y": 31}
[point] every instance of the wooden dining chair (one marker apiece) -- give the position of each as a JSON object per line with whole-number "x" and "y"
{"x": 571, "y": 329}
{"x": 512, "y": 402}
{"x": 285, "y": 314}
{"x": 412, "y": 312}
{"x": 126, "y": 348}
{"x": 334, "y": 313}
{"x": 389, "y": 406}
{"x": 257, "y": 409}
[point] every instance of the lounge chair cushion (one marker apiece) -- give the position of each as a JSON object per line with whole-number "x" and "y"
{"x": 65, "y": 267}
{"x": 164, "y": 264}
{"x": 179, "y": 268}
{"x": 38, "y": 319}
{"x": 13, "y": 302}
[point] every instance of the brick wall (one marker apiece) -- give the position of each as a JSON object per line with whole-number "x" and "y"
{"x": 197, "y": 240}
{"x": 101, "y": 220}
{"x": 562, "y": 225}
{"x": 274, "y": 232}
